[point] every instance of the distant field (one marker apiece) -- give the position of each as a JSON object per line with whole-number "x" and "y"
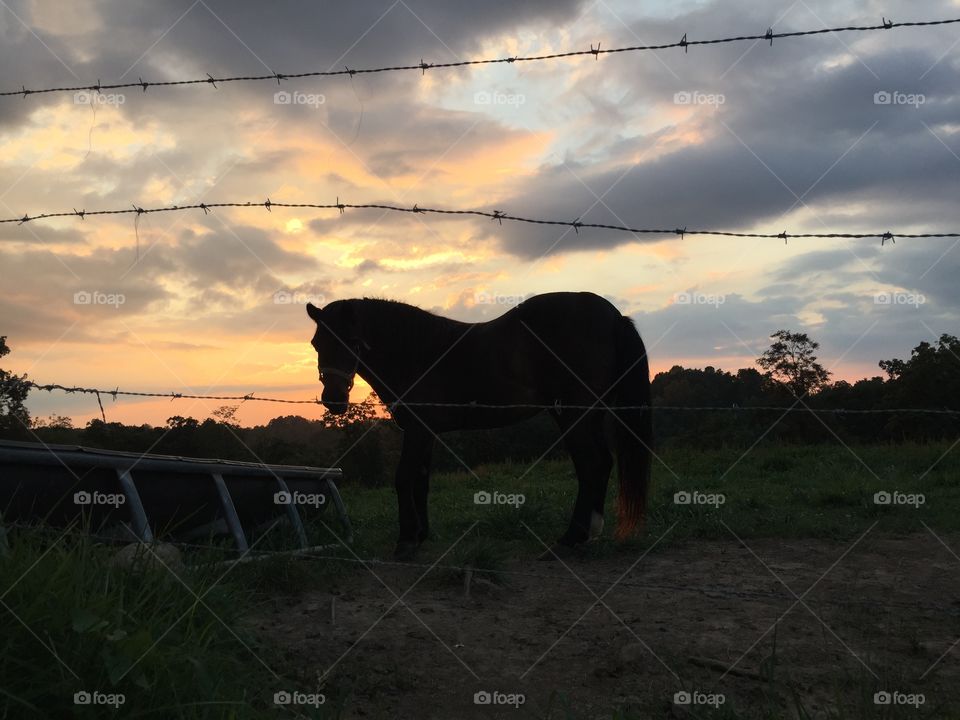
{"x": 781, "y": 491}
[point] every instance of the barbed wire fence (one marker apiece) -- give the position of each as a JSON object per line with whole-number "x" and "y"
{"x": 99, "y": 393}
{"x": 684, "y": 42}
{"x": 497, "y": 215}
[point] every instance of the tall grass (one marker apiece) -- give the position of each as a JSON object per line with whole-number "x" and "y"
{"x": 169, "y": 641}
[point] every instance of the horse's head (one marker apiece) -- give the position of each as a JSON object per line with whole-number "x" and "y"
{"x": 338, "y": 344}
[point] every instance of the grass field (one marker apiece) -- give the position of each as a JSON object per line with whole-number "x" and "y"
{"x": 781, "y": 491}
{"x": 75, "y": 624}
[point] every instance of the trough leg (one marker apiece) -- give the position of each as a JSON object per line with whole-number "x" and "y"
{"x": 293, "y": 514}
{"x": 230, "y": 513}
{"x": 341, "y": 509}
{"x": 137, "y": 515}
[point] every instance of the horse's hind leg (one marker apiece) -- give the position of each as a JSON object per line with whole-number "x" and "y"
{"x": 592, "y": 462}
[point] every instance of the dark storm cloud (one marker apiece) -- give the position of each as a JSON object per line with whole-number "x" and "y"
{"x": 813, "y": 140}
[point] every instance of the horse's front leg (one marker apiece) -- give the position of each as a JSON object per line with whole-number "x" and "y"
{"x": 412, "y": 482}
{"x": 421, "y": 488}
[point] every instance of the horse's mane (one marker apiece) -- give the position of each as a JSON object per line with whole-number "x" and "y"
{"x": 399, "y": 322}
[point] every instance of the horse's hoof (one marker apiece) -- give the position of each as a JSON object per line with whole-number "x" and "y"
{"x": 406, "y": 550}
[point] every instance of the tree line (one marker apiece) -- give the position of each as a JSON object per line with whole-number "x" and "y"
{"x": 787, "y": 375}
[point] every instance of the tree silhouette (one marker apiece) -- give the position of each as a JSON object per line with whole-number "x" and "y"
{"x": 791, "y": 361}
{"x": 931, "y": 377}
{"x": 14, "y": 417}
{"x": 227, "y": 415}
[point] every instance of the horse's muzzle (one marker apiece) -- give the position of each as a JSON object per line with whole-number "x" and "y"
{"x": 335, "y": 407}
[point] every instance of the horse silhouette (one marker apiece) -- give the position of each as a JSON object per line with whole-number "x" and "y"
{"x": 573, "y": 352}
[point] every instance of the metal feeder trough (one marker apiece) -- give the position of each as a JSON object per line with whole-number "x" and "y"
{"x": 147, "y": 493}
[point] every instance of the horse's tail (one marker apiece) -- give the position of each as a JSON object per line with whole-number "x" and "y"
{"x": 634, "y": 428}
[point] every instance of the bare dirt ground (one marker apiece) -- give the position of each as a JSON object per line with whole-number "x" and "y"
{"x": 640, "y": 645}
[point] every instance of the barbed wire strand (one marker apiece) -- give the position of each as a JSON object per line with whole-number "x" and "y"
{"x": 252, "y": 397}
{"x": 684, "y": 42}
{"x": 707, "y": 590}
{"x": 497, "y": 215}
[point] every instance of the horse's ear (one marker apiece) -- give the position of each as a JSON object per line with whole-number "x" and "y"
{"x": 314, "y": 312}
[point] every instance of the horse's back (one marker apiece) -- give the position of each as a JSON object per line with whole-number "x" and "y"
{"x": 545, "y": 339}
{"x": 567, "y": 314}
{"x": 578, "y": 302}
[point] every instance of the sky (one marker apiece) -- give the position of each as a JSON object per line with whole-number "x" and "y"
{"x": 854, "y": 132}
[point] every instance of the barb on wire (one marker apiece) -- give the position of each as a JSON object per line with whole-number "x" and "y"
{"x": 422, "y": 66}
{"x": 497, "y": 215}
{"x": 556, "y": 405}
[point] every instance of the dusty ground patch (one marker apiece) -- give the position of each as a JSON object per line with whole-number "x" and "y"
{"x": 635, "y": 649}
